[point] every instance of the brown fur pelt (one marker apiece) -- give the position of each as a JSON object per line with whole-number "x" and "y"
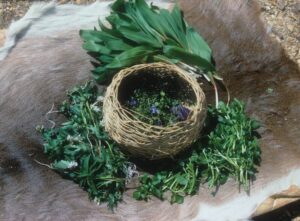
{"x": 39, "y": 70}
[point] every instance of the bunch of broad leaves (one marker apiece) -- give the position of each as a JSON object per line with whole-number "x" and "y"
{"x": 82, "y": 151}
{"x": 228, "y": 148}
{"x": 139, "y": 33}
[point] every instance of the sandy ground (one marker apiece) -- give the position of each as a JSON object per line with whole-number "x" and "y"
{"x": 283, "y": 19}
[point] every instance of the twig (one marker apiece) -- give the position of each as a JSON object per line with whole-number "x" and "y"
{"x": 51, "y": 112}
{"x": 43, "y": 164}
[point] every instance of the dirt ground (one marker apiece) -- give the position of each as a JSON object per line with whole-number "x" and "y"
{"x": 283, "y": 19}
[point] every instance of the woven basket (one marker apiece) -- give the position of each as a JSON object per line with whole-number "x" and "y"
{"x": 144, "y": 140}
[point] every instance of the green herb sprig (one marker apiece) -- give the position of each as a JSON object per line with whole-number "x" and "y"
{"x": 232, "y": 148}
{"x": 82, "y": 151}
{"x": 229, "y": 150}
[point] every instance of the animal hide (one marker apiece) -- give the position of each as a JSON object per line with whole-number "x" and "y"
{"x": 42, "y": 58}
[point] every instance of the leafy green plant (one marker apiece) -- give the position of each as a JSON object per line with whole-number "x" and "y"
{"x": 156, "y": 107}
{"x": 82, "y": 151}
{"x": 230, "y": 149}
{"x": 139, "y": 33}
{"x": 181, "y": 181}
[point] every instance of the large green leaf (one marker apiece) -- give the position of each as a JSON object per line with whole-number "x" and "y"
{"x": 188, "y": 58}
{"x": 101, "y": 35}
{"x": 121, "y": 20}
{"x": 140, "y": 37}
{"x": 130, "y": 57}
{"x": 118, "y": 6}
{"x": 197, "y": 45}
{"x": 177, "y": 16}
{"x": 150, "y": 16}
{"x": 118, "y": 45}
{"x": 90, "y": 35}
{"x": 162, "y": 58}
{"x": 93, "y": 47}
{"x": 138, "y": 17}
{"x": 172, "y": 28}
{"x": 106, "y": 58}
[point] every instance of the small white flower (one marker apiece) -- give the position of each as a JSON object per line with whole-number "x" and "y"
{"x": 97, "y": 201}
{"x": 73, "y": 139}
{"x": 95, "y": 108}
{"x": 131, "y": 172}
{"x": 69, "y": 138}
{"x": 102, "y": 123}
{"x": 72, "y": 164}
{"x": 100, "y": 98}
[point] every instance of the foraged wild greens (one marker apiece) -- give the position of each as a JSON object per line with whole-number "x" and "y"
{"x": 231, "y": 148}
{"x": 157, "y": 107}
{"x": 139, "y": 33}
{"x": 81, "y": 150}
{"x": 228, "y": 149}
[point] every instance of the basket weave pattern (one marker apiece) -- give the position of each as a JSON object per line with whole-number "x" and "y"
{"x": 144, "y": 140}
